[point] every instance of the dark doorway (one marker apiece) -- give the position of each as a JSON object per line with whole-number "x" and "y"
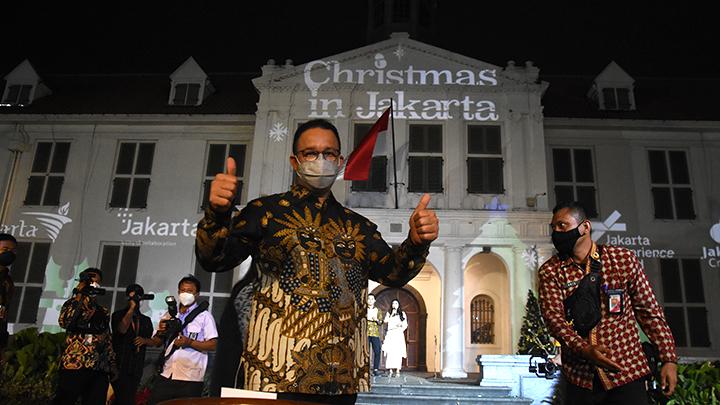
{"x": 414, "y": 307}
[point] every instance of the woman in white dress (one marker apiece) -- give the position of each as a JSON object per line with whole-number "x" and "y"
{"x": 394, "y": 345}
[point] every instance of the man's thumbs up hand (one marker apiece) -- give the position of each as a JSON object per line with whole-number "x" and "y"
{"x": 223, "y": 188}
{"x": 424, "y": 224}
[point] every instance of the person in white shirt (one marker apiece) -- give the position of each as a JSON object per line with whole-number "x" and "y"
{"x": 186, "y": 357}
{"x": 394, "y": 345}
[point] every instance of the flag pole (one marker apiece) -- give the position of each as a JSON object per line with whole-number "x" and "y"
{"x": 392, "y": 130}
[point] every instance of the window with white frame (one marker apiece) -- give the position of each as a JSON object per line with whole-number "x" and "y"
{"x": 18, "y": 94}
{"x": 28, "y": 273}
{"x": 482, "y": 320}
{"x": 216, "y": 287}
{"x": 119, "y": 264}
{"x": 617, "y": 98}
{"x": 425, "y": 161}
{"x": 47, "y": 174}
{"x": 684, "y": 301}
{"x": 484, "y": 160}
{"x": 377, "y": 181}
{"x": 217, "y": 154}
{"x": 186, "y": 94}
{"x": 133, "y": 168}
{"x": 574, "y": 178}
{"x": 670, "y": 184}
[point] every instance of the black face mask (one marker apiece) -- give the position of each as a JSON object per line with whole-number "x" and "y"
{"x": 7, "y": 258}
{"x": 565, "y": 241}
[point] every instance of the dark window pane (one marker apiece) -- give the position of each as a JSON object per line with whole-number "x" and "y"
{"x": 485, "y": 175}
{"x": 31, "y": 300}
{"x": 216, "y": 160}
{"x": 126, "y": 158}
{"x": 623, "y": 99}
{"x": 238, "y": 193}
{"x": 586, "y": 196}
{"x": 561, "y": 165}
{"x": 203, "y": 276}
{"x": 33, "y": 195}
{"x": 223, "y": 282}
{"x": 697, "y": 324}
{"x": 38, "y": 262}
{"x": 693, "y": 280}
{"x": 12, "y": 94}
{"x": 662, "y": 203}
{"x": 22, "y": 258}
{"x": 128, "y": 265}
{"x": 564, "y": 194}
{"x": 415, "y": 173}
{"x": 42, "y": 157}
{"x": 379, "y": 11}
{"x": 206, "y": 194}
{"x": 60, "y": 156}
{"x": 609, "y": 98}
{"x": 679, "y": 167}
{"x": 145, "y": 158}
{"x": 583, "y": 166}
{"x": 193, "y": 94}
{"x": 401, "y": 11}
{"x": 109, "y": 264}
{"x": 360, "y": 131}
{"x": 425, "y": 138}
{"x": 53, "y": 190}
{"x": 670, "y": 272}
{"x": 237, "y": 152}
{"x": 180, "y": 93}
{"x": 14, "y": 306}
{"x": 434, "y": 175}
{"x": 435, "y": 138}
{"x": 24, "y": 97}
{"x": 658, "y": 168}
{"x": 676, "y": 320}
{"x": 418, "y": 142}
{"x": 684, "y": 203}
{"x": 218, "y": 306}
{"x": 120, "y": 191}
{"x": 484, "y": 139}
{"x": 138, "y": 199}
{"x": 121, "y": 300}
{"x": 378, "y": 174}
{"x": 495, "y": 176}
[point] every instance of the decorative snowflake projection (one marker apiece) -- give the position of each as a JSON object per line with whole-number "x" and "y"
{"x": 399, "y": 52}
{"x": 531, "y": 258}
{"x": 278, "y": 132}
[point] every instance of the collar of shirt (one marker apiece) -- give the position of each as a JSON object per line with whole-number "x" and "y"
{"x": 182, "y": 315}
{"x": 301, "y": 193}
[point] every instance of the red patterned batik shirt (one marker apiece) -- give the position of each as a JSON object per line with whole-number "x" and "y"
{"x": 618, "y": 331}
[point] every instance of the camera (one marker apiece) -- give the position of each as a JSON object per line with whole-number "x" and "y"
{"x": 172, "y": 325}
{"x": 546, "y": 369}
{"x": 140, "y": 297}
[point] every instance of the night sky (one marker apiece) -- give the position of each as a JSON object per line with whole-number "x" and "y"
{"x": 580, "y": 37}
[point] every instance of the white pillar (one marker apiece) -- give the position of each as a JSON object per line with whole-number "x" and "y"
{"x": 454, "y": 331}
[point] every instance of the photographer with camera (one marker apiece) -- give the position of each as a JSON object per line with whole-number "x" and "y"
{"x": 88, "y": 362}
{"x": 186, "y": 333}
{"x": 131, "y": 333}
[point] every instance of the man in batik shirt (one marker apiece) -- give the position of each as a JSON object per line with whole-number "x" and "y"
{"x": 608, "y": 365}
{"x": 296, "y": 324}
{"x": 88, "y": 361}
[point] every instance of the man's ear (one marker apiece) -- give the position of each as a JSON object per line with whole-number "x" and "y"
{"x": 293, "y": 162}
{"x": 588, "y": 227}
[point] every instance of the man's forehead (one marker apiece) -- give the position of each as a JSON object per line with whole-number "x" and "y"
{"x": 314, "y": 137}
{"x": 564, "y": 215}
{"x": 7, "y": 244}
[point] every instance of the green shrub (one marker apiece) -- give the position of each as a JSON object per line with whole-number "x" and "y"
{"x": 30, "y": 367}
{"x": 698, "y": 383}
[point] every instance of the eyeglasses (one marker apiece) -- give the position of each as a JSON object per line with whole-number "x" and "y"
{"x": 310, "y": 155}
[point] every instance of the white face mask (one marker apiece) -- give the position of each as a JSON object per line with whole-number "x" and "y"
{"x": 318, "y": 174}
{"x": 186, "y": 299}
{"x": 95, "y": 284}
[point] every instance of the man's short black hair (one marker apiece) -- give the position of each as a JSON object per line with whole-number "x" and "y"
{"x": 372, "y": 295}
{"x": 137, "y": 288}
{"x": 190, "y": 279}
{"x": 7, "y": 236}
{"x": 316, "y": 123}
{"x": 91, "y": 270}
{"x": 576, "y": 209}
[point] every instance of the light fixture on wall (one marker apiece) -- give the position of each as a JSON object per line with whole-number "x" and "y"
{"x": 486, "y": 249}
{"x": 532, "y": 201}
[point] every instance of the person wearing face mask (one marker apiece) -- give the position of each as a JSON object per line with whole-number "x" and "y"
{"x": 186, "y": 356}
{"x": 394, "y": 346}
{"x": 296, "y": 323}
{"x": 603, "y": 362}
{"x": 131, "y": 333}
{"x": 8, "y": 244}
{"x": 87, "y": 364}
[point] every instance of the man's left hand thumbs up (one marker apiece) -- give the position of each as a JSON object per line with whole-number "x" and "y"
{"x": 424, "y": 224}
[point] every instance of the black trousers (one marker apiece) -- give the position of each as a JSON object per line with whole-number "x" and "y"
{"x": 166, "y": 388}
{"x": 377, "y": 349}
{"x": 633, "y": 393}
{"x": 347, "y": 399}
{"x": 125, "y": 388}
{"x": 89, "y": 385}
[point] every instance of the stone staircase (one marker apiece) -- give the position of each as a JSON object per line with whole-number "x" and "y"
{"x": 416, "y": 390}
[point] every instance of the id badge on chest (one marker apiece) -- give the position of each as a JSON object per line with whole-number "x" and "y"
{"x": 616, "y": 302}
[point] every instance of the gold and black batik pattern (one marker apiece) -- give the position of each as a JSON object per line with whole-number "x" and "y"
{"x": 86, "y": 349}
{"x": 307, "y": 329}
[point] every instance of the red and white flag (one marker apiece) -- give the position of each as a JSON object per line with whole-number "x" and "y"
{"x": 357, "y": 166}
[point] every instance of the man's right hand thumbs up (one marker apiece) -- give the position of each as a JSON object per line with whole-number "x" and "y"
{"x": 223, "y": 188}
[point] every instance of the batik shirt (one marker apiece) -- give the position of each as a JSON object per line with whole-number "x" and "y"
{"x": 311, "y": 261}
{"x": 86, "y": 347}
{"x": 617, "y": 331}
{"x": 374, "y": 326}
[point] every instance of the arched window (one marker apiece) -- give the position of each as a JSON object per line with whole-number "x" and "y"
{"x": 482, "y": 315}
